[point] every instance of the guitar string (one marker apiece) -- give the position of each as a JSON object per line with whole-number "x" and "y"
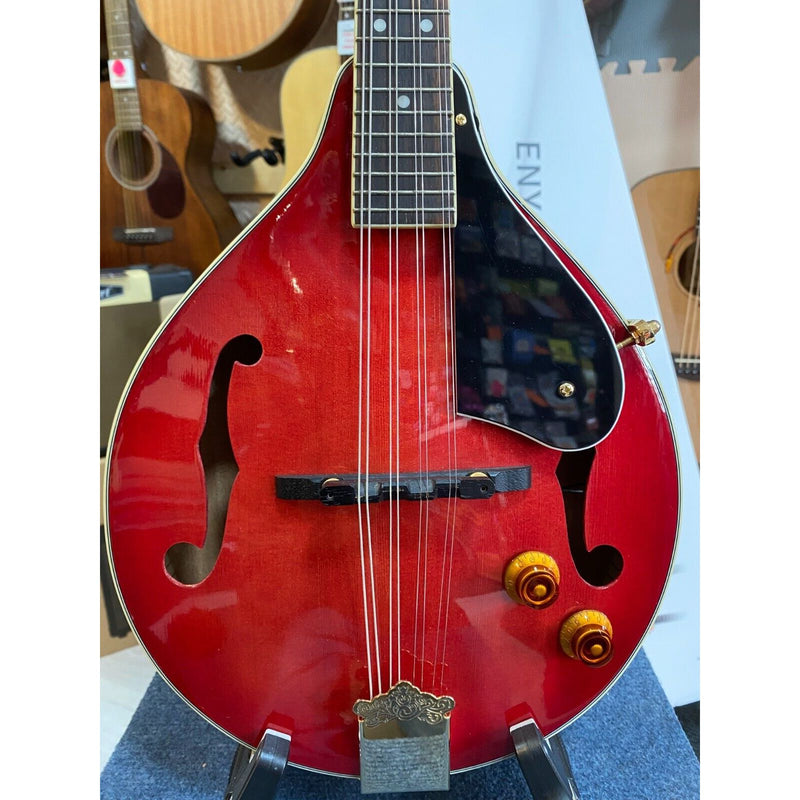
{"x": 688, "y": 350}
{"x": 694, "y": 283}
{"x": 691, "y": 326}
{"x": 128, "y": 147}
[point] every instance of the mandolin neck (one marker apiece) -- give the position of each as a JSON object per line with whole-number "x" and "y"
{"x": 403, "y": 142}
{"x": 122, "y": 66}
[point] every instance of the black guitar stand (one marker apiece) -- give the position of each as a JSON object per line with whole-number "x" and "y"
{"x": 545, "y": 765}
{"x": 255, "y": 773}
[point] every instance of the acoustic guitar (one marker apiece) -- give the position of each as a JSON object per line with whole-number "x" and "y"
{"x": 668, "y": 210}
{"x": 251, "y": 34}
{"x": 305, "y": 90}
{"x": 395, "y": 462}
{"x": 158, "y": 200}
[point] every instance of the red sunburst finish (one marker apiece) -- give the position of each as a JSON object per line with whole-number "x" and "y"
{"x": 277, "y": 628}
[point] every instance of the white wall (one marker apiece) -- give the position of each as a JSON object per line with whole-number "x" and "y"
{"x": 541, "y": 101}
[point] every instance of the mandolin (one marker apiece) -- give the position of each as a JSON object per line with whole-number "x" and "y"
{"x": 668, "y": 209}
{"x": 158, "y": 200}
{"x": 251, "y": 34}
{"x": 394, "y": 450}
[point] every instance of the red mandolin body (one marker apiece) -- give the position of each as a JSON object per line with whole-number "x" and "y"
{"x": 277, "y": 626}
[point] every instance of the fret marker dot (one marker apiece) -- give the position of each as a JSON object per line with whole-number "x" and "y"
{"x": 380, "y": 25}
{"x": 426, "y": 25}
{"x": 404, "y": 101}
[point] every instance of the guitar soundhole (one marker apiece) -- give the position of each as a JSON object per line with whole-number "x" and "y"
{"x": 689, "y": 269}
{"x": 601, "y": 565}
{"x": 133, "y": 157}
{"x": 167, "y": 195}
{"x": 184, "y": 561}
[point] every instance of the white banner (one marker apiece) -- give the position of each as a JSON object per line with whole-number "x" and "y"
{"x": 540, "y": 99}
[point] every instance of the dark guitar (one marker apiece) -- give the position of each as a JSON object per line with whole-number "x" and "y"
{"x": 158, "y": 200}
{"x": 394, "y": 441}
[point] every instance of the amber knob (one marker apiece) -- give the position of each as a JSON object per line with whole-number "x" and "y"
{"x": 586, "y": 636}
{"x": 531, "y": 578}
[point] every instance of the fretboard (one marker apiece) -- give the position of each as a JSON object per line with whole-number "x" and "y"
{"x": 403, "y": 143}
{"x": 120, "y": 46}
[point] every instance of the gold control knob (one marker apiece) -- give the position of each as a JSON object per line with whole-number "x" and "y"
{"x": 532, "y": 578}
{"x": 586, "y": 636}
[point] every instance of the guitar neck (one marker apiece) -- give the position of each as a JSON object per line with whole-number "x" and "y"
{"x": 121, "y": 66}
{"x": 403, "y": 142}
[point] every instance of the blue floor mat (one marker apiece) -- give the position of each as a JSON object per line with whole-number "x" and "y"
{"x": 628, "y": 746}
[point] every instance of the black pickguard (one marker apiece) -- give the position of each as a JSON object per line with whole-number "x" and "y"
{"x": 523, "y": 325}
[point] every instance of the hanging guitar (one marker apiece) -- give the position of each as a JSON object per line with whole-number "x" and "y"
{"x": 395, "y": 460}
{"x": 668, "y": 209}
{"x": 306, "y": 88}
{"x": 158, "y": 200}
{"x": 241, "y": 33}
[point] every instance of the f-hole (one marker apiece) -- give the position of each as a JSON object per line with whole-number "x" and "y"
{"x": 601, "y": 565}
{"x": 186, "y": 562}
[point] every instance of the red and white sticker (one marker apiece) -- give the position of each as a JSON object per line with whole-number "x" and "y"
{"x": 121, "y": 73}
{"x": 345, "y": 31}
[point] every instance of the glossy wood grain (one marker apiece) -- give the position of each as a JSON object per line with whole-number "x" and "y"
{"x": 251, "y": 33}
{"x": 184, "y": 127}
{"x": 278, "y": 625}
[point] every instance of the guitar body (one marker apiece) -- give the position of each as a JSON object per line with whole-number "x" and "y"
{"x": 252, "y": 605}
{"x": 305, "y": 93}
{"x": 666, "y": 207}
{"x": 178, "y": 196}
{"x": 246, "y": 33}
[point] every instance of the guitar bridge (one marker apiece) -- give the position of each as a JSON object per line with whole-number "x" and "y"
{"x": 342, "y": 490}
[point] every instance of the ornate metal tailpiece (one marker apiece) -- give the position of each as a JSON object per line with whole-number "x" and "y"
{"x": 404, "y": 738}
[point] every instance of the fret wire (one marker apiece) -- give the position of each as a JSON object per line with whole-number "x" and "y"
{"x": 408, "y": 174}
{"x": 370, "y": 112}
{"x": 440, "y": 134}
{"x": 406, "y": 65}
{"x": 373, "y": 11}
{"x": 405, "y": 88}
{"x": 393, "y": 192}
{"x": 372, "y": 210}
{"x": 364, "y": 38}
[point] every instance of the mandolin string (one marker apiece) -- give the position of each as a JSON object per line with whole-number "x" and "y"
{"x": 448, "y": 201}
{"x": 369, "y": 32}
{"x": 421, "y": 581}
{"x": 419, "y": 179}
{"x": 359, "y": 104}
{"x": 397, "y": 322}
{"x": 439, "y": 60}
{"x": 390, "y": 348}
